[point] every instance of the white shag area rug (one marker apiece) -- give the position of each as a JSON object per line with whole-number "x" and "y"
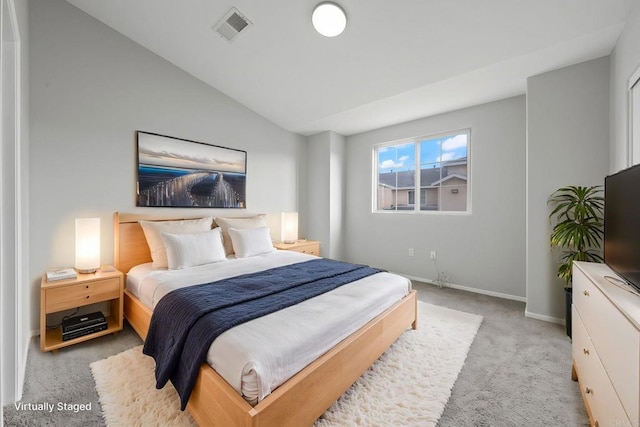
{"x": 409, "y": 385}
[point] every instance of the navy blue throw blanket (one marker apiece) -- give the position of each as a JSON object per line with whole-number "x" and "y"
{"x": 186, "y": 321}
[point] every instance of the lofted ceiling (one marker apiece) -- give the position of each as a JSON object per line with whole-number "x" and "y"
{"x": 396, "y": 61}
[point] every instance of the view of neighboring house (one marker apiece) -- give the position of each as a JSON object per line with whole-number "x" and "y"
{"x": 442, "y": 188}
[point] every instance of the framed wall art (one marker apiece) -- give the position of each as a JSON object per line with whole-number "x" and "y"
{"x": 175, "y": 172}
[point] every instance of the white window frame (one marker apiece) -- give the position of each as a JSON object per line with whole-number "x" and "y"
{"x": 418, "y": 199}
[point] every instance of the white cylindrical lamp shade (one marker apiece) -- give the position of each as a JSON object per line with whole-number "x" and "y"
{"x": 87, "y": 244}
{"x": 289, "y": 227}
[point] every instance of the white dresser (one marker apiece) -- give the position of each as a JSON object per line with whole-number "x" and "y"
{"x": 606, "y": 346}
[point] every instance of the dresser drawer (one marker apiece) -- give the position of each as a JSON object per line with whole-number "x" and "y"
{"x": 312, "y": 249}
{"x": 596, "y": 387}
{"x": 71, "y": 296}
{"x": 615, "y": 339}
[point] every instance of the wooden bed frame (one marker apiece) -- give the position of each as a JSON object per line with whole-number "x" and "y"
{"x": 301, "y": 399}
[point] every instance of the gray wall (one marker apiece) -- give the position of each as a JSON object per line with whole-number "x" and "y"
{"x": 484, "y": 250}
{"x": 14, "y": 228}
{"x": 26, "y": 307}
{"x": 325, "y": 192}
{"x": 337, "y": 170}
{"x": 318, "y": 196}
{"x": 91, "y": 88}
{"x": 567, "y": 144}
{"x": 625, "y": 59}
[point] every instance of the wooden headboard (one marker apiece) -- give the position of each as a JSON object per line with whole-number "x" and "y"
{"x": 130, "y": 245}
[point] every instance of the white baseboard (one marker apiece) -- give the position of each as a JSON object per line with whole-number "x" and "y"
{"x": 545, "y": 318}
{"x": 468, "y": 289}
{"x": 493, "y": 294}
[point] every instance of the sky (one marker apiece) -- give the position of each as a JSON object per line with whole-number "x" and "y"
{"x": 159, "y": 150}
{"x": 432, "y": 151}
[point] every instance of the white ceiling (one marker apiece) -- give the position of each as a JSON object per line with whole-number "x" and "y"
{"x": 396, "y": 61}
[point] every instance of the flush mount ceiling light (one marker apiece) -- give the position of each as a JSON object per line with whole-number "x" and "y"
{"x": 329, "y": 19}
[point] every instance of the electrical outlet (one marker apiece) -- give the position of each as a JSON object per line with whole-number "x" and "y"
{"x": 433, "y": 254}
{"x": 410, "y": 251}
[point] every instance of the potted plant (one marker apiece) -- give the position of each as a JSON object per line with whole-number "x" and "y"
{"x": 579, "y": 227}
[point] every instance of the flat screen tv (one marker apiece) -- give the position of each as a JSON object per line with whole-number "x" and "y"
{"x": 622, "y": 224}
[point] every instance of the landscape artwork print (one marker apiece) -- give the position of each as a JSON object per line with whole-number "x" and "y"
{"x": 175, "y": 172}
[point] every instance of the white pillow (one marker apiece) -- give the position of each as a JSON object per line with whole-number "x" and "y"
{"x": 189, "y": 250}
{"x": 154, "y": 229}
{"x": 251, "y": 241}
{"x": 237, "y": 223}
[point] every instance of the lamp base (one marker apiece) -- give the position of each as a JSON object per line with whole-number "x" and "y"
{"x": 87, "y": 271}
{"x": 289, "y": 241}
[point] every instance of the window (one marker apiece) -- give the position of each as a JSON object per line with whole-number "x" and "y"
{"x": 423, "y": 174}
{"x": 412, "y": 196}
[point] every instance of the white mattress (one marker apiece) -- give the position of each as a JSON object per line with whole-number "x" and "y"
{"x": 258, "y": 356}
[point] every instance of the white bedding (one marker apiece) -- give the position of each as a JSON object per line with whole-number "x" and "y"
{"x": 258, "y": 356}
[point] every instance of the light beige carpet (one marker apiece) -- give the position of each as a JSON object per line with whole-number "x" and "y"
{"x": 409, "y": 385}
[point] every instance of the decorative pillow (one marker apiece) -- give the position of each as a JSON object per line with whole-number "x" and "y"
{"x": 189, "y": 250}
{"x": 154, "y": 229}
{"x": 250, "y": 242}
{"x": 238, "y": 223}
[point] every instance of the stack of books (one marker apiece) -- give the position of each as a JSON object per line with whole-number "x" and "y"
{"x": 61, "y": 274}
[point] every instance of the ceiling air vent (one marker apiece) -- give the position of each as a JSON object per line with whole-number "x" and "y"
{"x": 232, "y": 24}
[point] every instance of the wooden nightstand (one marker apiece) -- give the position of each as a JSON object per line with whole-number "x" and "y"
{"x": 311, "y": 247}
{"x": 84, "y": 290}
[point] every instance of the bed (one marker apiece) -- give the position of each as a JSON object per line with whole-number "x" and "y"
{"x": 303, "y": 397}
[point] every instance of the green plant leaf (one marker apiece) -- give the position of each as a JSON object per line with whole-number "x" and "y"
{"x": 578, "y": 213}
